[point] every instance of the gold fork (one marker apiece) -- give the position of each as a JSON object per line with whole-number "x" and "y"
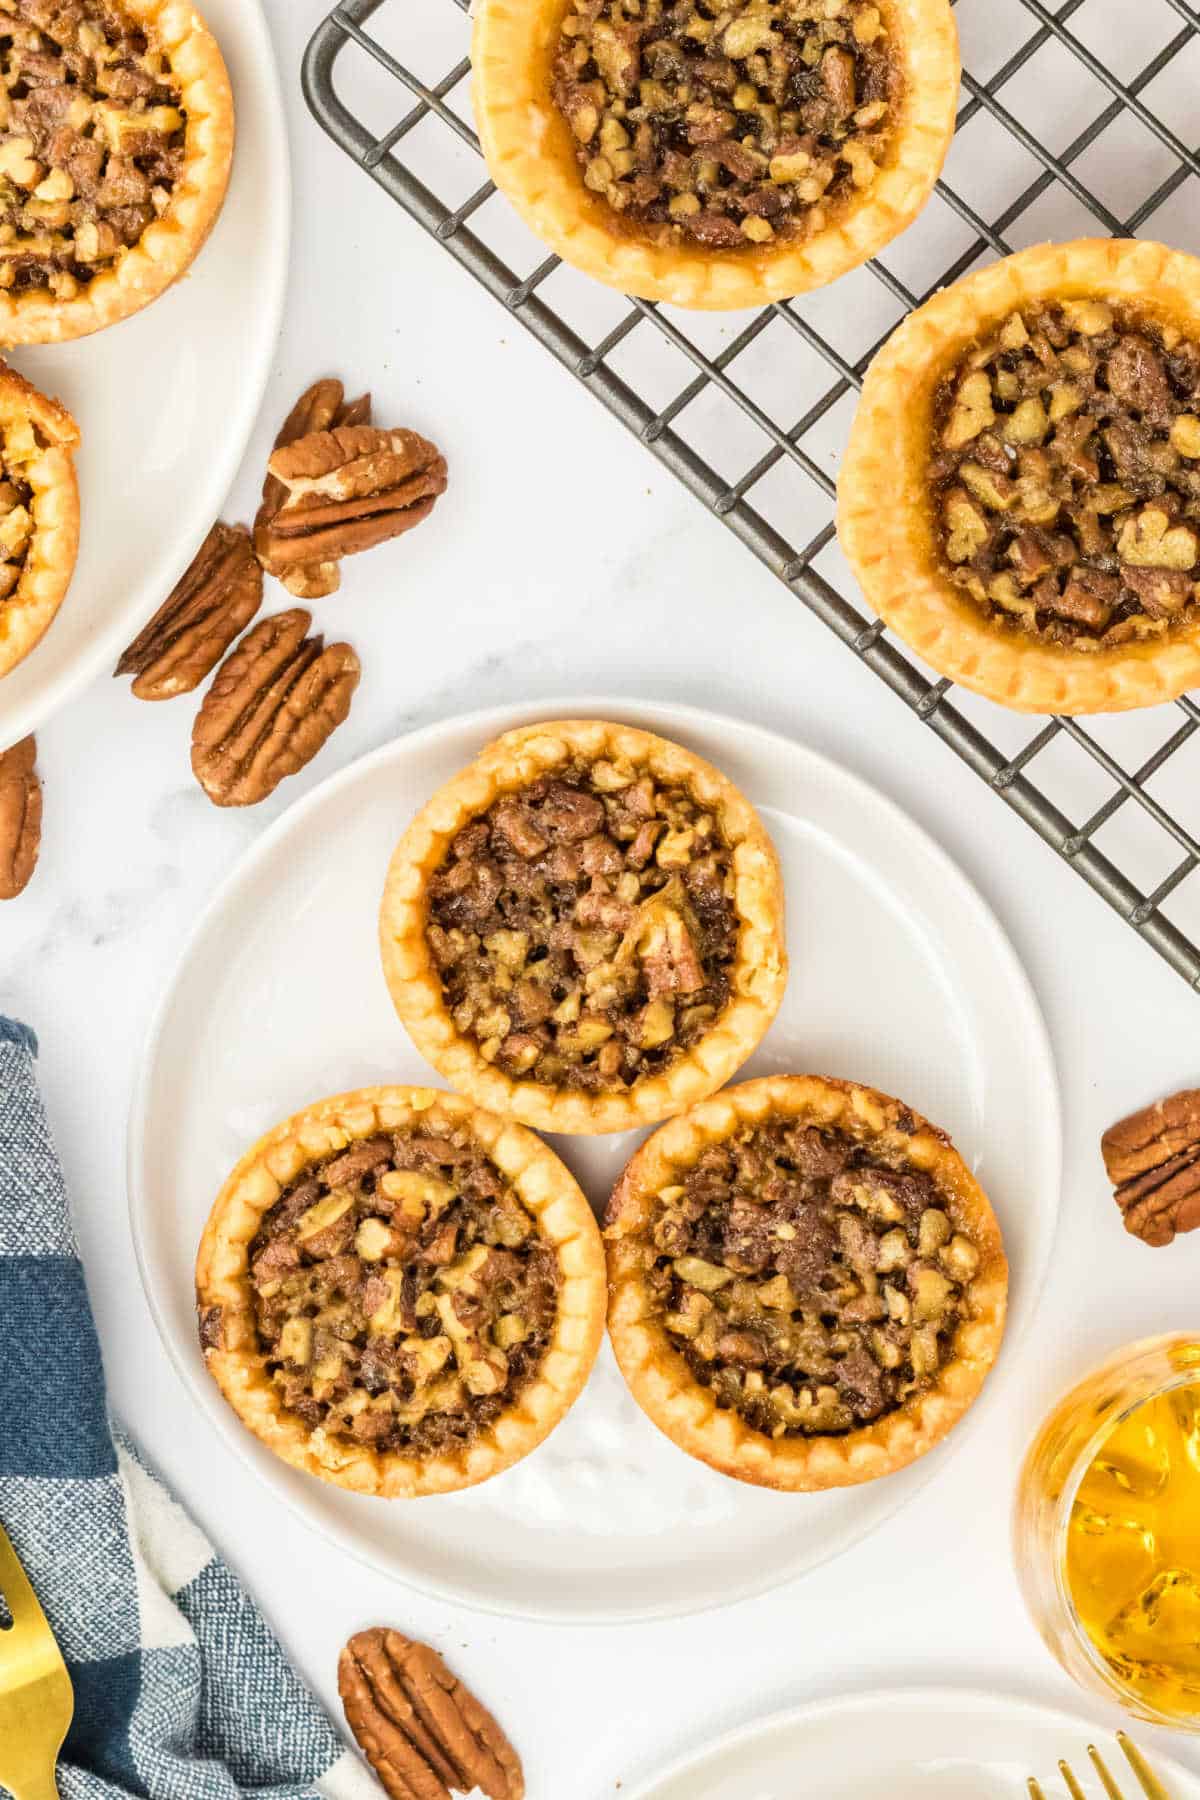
{"x": 36, "y": 1699}
{"x": 1147, "y": 1781}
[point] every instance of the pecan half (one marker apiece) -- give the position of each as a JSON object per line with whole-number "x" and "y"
{"x": 1153, "y": 1162}
{"x": 424, "y": 1734}
{"x": 319, "y": 408}
{"x": 20, "y": 817}
{"x": 211, "y": 604}
{"x": 273, "y": 703}
{"x": 348, "y": 489}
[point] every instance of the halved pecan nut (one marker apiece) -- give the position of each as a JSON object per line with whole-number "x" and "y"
{"x": 424, "y": 1734}
{"x": 1153, "y": 1162}
{"x": 272, "y": 705}
{"x": 209, "y": 607}
{"x": 20, "y": 817}
{"x": 319, "y": 408}
{"x": 347, "y": 490}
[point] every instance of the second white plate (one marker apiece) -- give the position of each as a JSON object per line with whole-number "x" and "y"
{"x": 908, "y": 1744}
{"x": 901, "y": 977}
{"x": 166, "y": 401}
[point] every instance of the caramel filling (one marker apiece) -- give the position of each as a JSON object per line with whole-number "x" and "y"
{"x": 1066, "y": 475}
{"x": 91, "y": 140}
{"x": 811, "y": 1287}
{"x": 584, "y": 928}
{"x": 402, "y": 1293}
{"x": 18, "y": 446}
{"x": 727, "y": 125}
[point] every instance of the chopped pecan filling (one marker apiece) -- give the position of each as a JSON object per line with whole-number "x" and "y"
{"x": 91, "y": 140}
{"x": 727, "y": 124}
{"x": 402, "y": 1293}
{"x": 18, "y": 446}
{"x": 1066, "y": 475}
{"x": 584, "y": 928}
{"x": 810, "y": 1286}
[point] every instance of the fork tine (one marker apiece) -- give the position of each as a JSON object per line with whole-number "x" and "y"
{"x": 1149, "y": 1783}
{"x": 1101, "y": 1768}
{"x": 14, "y": 1585}
{"x": 1073, "y": 1787}
{"x": 1147, "y": 1780}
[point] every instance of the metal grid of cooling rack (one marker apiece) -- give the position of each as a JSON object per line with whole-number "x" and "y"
{"x": 592, "y": 355}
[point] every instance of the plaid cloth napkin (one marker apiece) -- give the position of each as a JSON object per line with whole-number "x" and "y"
{"x": 181, "y": 1691}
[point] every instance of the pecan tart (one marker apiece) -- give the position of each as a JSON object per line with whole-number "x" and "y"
{"x": 585, "y": 928}
{"x": 39, "y": 513}
{"x": 400, "y": 1293}
{"x": 116, "y": 136}
{"x": 716, "y": 153}
{"x": 807, "y": 1286}
{"x": 1020, "y": 499}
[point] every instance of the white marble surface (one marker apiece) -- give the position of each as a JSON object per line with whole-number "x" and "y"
{"x": 506, "y": 594}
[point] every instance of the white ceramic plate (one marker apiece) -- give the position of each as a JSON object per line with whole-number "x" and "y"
{"x": 900, "y": 977}
{"x": 166, "y": 401}
{"x": 912, "y": 1744}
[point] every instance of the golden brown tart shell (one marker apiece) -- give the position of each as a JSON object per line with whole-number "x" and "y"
{"x": 48, "y": 470}
{"x": 886, "y": 522}
{"x": 658, "y": 1375}
{"x": 170, "y": 243}
{"x": 223, "y": 1289}
{"x": 531, "y": 158}
{"x": 758, "y": 976}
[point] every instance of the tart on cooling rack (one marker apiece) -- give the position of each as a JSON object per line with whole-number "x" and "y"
{"x": 399, "y": 1293}
{"x": 39, "y": 513}
{"x": 585, "y": 928}
{"x": 715, "y": 153}
{"x": 1020, "y": 499}
{"x": 115, "y": 148}
{"x": 807, "y": 1285}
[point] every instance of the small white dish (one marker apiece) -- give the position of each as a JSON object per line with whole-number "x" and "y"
{"x": 901, "y": 977}
{"x": 909, "y": 1744}
{"x": 166, "y": 401}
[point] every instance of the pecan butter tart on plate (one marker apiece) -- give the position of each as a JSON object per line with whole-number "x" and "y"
{"x": 400, "y": 1293}
{"x": 1020, "y": 499}
{"x": 116, "y": 137}
{"x": 585, "y": 928}
{"x": 39, "y": 513}
{"x": 807, "y": 1286}
{"x": 715, "y": 153}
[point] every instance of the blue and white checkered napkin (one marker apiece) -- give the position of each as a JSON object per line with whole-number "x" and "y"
{"x": 181, "y": 1691}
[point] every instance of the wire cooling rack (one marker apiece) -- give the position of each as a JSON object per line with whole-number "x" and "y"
{"x": 1073, "y": 123}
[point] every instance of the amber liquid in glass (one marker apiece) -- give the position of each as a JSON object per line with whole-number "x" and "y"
{"x": 1133, "y": 1551}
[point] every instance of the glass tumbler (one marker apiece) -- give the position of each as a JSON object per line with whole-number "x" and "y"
{"x": 1107, "y": 1531}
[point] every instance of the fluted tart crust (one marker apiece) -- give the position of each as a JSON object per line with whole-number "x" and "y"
{"x": 807, "y": 1286}
{"x": 1020, "y": 499}
{"x": 713, "y": 155}
{"x": 400, "y": 1293}
{"x": 116, "y": 139}
{"x": 584, "y": 929}
{"x": 39, "y": 513}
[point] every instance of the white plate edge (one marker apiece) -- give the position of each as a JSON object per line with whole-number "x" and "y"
{"x": 102, "y": 650}
{"x": 933, "y": 1698}
{"x": 490, "y": 721}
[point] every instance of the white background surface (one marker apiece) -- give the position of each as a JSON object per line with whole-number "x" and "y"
{"x": 510, "y": 591}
